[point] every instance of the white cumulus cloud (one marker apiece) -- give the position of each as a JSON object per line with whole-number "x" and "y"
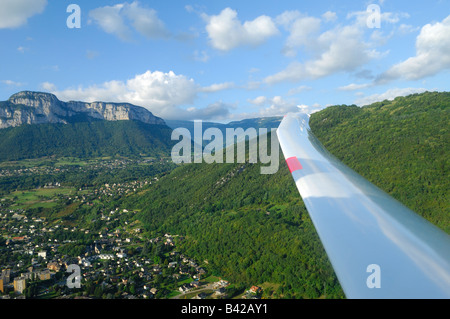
{"x": 226, "y": 32}
{"x": 388, "y": 95}
{"x": 145, "y": 21}
{"x": 432, "y": 55}
{"x": 165, "y": 94}
{"x": 303, "y": 30}
{"x": 110, "y": 20}
{"x": 161, "y": 90}
{"x": 15, "y": 13}
{"x": 340, "y": 49}
{"x": 122, "y": 18}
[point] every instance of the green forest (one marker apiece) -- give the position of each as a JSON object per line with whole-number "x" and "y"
{"x": 251, "y": 228}
{"x": 85, "y": 140}
{"x": 402, "y": 146}
{"x": 254, "y": 228}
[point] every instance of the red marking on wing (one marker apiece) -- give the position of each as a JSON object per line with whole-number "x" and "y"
{"x": 293, "y": 164}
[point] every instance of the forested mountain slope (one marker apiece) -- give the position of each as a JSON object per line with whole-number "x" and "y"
{"x": 251, "y": 228}
{"x": 402, "y": 146}
{"x": 254, "y": 229}
{"x": 85, "y": 139}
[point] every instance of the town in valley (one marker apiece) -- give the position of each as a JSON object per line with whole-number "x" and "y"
{"x": 46, "y": 229}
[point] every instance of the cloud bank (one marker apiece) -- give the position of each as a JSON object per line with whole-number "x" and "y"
{"x": 164, "y": 94}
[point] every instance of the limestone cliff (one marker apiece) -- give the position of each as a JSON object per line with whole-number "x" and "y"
{"x": 37, "y": 107}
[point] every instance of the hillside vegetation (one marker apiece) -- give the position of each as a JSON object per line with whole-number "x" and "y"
{"x": 85, "y": 139}
{"x": 251, "y": 228}
{"x": 402, "y": 146}
{"x": 254, "y": 228}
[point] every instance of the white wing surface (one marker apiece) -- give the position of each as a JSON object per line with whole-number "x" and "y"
{"x": 377, "y": 246}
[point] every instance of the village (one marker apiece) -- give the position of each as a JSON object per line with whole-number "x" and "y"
{"x": 56, "y": 166}
{"x": 115, "y": 257}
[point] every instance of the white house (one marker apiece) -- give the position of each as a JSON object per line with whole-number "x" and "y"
{"x": 42, "y": 254}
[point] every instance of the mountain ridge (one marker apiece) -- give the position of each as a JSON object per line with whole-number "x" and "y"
{"x": 29, "y": 107}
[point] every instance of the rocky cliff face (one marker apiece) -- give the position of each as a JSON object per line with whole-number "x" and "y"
{"x": 36, "y": 107}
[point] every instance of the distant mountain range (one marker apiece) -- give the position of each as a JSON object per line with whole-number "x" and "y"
{"x": 29, "y": 107}
{"x": 37, "y": 108}
{"x": 256, "y": 123}
{"x": 266, "y": 122}
{"x": 82, "y": 129}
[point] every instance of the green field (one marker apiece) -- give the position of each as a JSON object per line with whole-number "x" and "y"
{"x": 59, "y": 161}
{"x": 42, "y": 197}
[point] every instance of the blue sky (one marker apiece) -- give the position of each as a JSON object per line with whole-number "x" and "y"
{"x": 225, "y": 60}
